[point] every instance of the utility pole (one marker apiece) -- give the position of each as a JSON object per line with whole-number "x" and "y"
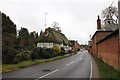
{"x": 119, "y": 34}
{"x": 45, "y": 20}
{"x": 0, "y": 44}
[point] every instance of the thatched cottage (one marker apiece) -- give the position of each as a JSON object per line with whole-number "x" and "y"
{"x": 51, "y": 37}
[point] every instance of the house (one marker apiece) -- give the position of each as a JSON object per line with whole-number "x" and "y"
{"x": 98, "y": 35}
{"x": 105, "y": 43}
{"x": 51, "y": 37}
{"x": 75, "y": 45}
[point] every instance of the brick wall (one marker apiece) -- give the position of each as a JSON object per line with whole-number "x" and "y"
{"x": 99, "y": 35}
{"x": 108, "y": 50}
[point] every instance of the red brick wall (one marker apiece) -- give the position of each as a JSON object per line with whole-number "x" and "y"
{"x": 108, "y": 51}
{"x": 99, "y": 35}
{"x": 93, "y": 49}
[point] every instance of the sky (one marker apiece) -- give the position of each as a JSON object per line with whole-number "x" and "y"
{"x": 76, "y": 18}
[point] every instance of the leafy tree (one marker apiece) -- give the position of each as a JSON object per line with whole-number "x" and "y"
{"x": 8, "y": 31}
{"x": 33, "y": 38}
{"x": 8, "y": 39}
{"x": 41, "y": 32}
{"x": 23, "y": 37}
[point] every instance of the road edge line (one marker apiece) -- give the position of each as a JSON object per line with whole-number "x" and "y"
{"x": 91, "y": 71}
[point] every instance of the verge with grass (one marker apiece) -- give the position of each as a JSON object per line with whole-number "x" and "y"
{"x": 106, "y": 71}
{"x": 27, "y": 63}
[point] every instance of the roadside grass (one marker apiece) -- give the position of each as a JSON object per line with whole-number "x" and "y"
{"x": 27, "y": 63}
{"x": 106, "y": 71}
{"x": 0, "y": 68}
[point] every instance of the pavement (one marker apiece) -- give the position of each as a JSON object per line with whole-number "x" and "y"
{"x": 79, "y": 66}
{"x": 95, "y": 70}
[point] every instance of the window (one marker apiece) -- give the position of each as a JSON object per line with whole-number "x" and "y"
{"x": 108, "y": 22}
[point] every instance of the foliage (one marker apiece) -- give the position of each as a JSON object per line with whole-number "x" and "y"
{"x": 33, "y": 38}
{"x": 36, "y": 53}
{"x": 23, "y": 37}
{"x": 22, "y": 64}
{"x": 8, "y": 54}
{"x": 57, "y": 48}
{"x": 62, "y": 51}
{"x": 45, "y": 54}
{"x": 41, "y": 32}
{"x": 22, "y": 55}
{"x": 7, "y": 25}
{"x": 8, "y": 31}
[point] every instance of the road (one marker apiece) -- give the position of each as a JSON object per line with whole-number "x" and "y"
{"x": 76, "y": 66}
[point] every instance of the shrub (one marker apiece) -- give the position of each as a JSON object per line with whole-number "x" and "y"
{"x": 62, "y": 51}
{"x": 51, "y": 52}
{"x": 36, "y": 53}
{"x": 57, "y": 49}
{"x": 73, "y": 51}
{"x": 8, "y": 54}
{"x": 22, "y": 55}
{"x": 45, "y": 54}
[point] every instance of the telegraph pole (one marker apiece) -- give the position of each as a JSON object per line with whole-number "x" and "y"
{"x": 119, "y": 35}
{"x": 45, "y": 20}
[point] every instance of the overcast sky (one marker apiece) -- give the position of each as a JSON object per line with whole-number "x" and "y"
{"x": 77, "y": 18}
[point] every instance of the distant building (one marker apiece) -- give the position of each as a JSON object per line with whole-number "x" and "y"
{"x": 110, "y": 25}
{"x": 75, "y": 45}
{"x": 51, "y": 37}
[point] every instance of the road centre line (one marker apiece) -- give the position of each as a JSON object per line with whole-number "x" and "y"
{"x": 69, "y": 63}
{"x": 47, "y": 74}
{"x": 58, "y": 69}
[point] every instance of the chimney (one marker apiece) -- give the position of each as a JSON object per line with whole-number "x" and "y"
{"x": 98, "y": 23}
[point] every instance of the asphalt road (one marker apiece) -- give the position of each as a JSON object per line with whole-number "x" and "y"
{"x": 76, "y": 66}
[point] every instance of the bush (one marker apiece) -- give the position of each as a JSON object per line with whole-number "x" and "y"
{"x": 62, "y": 51}
{"x": 57, "y": 49}
{"x": 22, "y": 55}
{"x": 52, "y": 52}
{"x": 36, "y": 53}
{"x": 45, "y": 54}
{"x": 8, "y": 54}
{"x": 41, "y": 53}
{"x": 16, "y": 47}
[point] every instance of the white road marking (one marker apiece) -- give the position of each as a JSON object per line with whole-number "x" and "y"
{"x": 69, "y": 63}
{"x": 91, "y": 71}
{"x": 47, "y": 74}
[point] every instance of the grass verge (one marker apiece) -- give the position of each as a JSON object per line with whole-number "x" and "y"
{"x": 27, "y": 63}
{"x": 106, "y": 71}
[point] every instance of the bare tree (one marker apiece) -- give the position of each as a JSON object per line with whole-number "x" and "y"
{"x": 56, "y": 27}
{"x": 111, "y": 13}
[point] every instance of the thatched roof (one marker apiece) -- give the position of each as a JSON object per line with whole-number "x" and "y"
{"x": 51, "y": 35}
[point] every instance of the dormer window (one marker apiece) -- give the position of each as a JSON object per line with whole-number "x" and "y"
{"x": 108, "y": 22}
